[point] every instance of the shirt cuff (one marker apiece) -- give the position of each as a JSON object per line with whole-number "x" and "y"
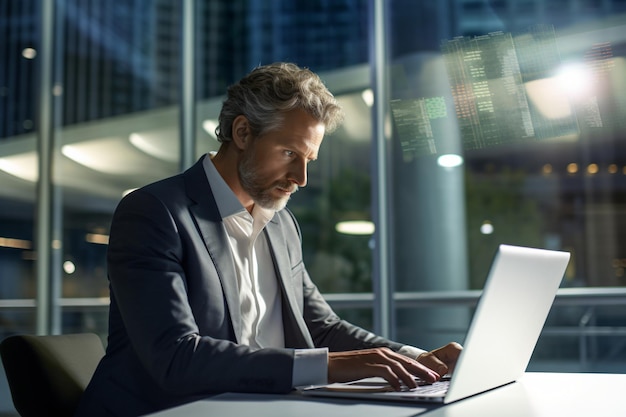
{"x": 310, "y": 367}
{"x": 411, "y": 351}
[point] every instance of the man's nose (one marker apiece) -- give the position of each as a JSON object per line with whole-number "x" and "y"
{"x": 298, "y": 173}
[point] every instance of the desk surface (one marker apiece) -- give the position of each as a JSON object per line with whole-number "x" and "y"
{"x": 535, "y": 395}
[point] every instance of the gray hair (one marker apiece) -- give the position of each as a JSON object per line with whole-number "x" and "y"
{"x": 268, "y": 92}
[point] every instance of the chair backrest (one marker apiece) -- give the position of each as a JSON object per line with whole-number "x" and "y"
{"x": 48, "y": 374}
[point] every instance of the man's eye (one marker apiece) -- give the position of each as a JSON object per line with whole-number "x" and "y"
{"x": 289, "y": 153}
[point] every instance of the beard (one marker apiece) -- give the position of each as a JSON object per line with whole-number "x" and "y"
{"x": 261, "y": 194}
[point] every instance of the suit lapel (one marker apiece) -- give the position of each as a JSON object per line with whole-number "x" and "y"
{"x": 212, "y": 230}
{"x": 296, "y": 332}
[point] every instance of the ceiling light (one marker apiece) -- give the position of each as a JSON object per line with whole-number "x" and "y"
{"x": 572, "y": 168}
{"x": 69, "y": 267}
{"x": 486, "y": 228}
{"x": 209, "y": 126}
{"x": 547, "y": 169}
{"x": 152, "y": 148}
{"x": 450, "y": 160}
{"x": 368, "y": 97}
{"x": 355, "y": 227}
{"x": 7, "y": 242}
{"x": 97, "y": 238}
{"x": 29, "y": 53}
{"x": 76, "y": 154}
{"x": 22, "y": 166}
{"x": 112, "y": 155}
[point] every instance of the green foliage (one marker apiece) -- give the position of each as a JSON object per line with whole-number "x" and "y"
{"x": 499, "y": 199}
{"x": 338, "y": 262}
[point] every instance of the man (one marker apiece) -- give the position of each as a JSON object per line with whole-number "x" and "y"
{"x": 209, "y": 293}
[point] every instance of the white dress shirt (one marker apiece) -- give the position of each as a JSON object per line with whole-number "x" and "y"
{"x": 259, "y": 298}
{"x": 259, "y": 295}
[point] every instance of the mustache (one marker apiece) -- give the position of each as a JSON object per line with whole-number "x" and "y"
{"x": 288, "y": 186}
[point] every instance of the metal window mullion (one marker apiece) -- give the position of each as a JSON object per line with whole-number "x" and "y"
{"x": 45, "y": 152}
{"x": 187, "y": 74}
{"x": 383, "y": 286}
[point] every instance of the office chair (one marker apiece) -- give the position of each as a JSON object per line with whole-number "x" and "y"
{"x": 48, "y": 374}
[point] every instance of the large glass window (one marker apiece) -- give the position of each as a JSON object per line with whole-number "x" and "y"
{"x": 526, "y": 96}
{"x": 508, "y": 128}
{"x": 330, "y": 38}
{"x": 116, "y": 75}
{"x": 19, "y": 34}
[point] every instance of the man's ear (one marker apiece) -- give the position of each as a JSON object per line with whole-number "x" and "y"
{"x": 241, "y": 132}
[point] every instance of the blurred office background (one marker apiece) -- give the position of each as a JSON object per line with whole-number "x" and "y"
{"x": 469, "y": 123}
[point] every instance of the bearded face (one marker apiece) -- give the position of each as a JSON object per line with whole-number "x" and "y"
{"x": 272, "y": 166}
{"x": 268, "y": 194}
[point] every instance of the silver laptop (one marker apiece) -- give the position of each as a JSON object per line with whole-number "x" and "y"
{"x": 508, "y": 320}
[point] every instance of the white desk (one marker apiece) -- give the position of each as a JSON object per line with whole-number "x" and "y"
{"x": 573, "y": 395}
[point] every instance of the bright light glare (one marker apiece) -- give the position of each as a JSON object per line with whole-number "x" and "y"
{"x": 97, "y": 238}
{"x": 368, "y": 97}
{"x": 69, "y": 267}
{"x": 355, "y": 227}
{"x": 548, "y": 96}
{"x": 486, "y": 228}
{"x": 7, "y": 242}
{"x": 574, "y": 80}
{"x": 111, "y": 155}
{"x": 23, "y": 166}
{"x": 151, "y": 147}
{"x": 572, "y": 168}
{"x": 76, "y": 155}
{"x": 29, "y": 53}
{"x": 209, "y": 126}
{"x": 450, "y": 160}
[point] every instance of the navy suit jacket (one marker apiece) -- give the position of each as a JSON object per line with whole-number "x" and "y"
{"x": 174, "y": 320}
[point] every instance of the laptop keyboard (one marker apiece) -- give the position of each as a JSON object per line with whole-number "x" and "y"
{"x": 437, "y": 388}
{"x": 433, "y": 389}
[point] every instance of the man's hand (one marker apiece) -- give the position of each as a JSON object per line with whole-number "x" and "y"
{"x": 381, "y": 362}
{"x": 443, "y": 359}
